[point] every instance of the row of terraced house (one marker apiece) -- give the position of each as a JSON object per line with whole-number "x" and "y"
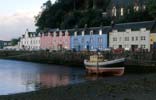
{"x": 127, "y": 36}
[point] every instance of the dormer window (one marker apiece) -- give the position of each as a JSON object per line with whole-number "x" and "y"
{"x": 143, "y": 29}
{"x": 100, "y": 32}
{"x": 128, "y": 30}
{"x": 83, "y": 33}
{"x": 115, "y": 31}
{"x": 75, "y": 33}
{"x": 66, "y": 33}
{"x": 91, "y": 32}
{"x": 49, "y": 34}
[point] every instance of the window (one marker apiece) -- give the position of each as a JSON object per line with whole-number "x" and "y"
{"x": 136, "y": 38}
{"x": 114, "y": 39}
{"x": 132, "y": 38}
{"x": 126, "y": 38}
{"x": 143, "y": 46}
{"x": 143, "y": 38}
{"x": 100, "y": 39}
{"x": 100, "y": 46}
{"x": 83, "y": 40}
{"x": 91, "y": 40}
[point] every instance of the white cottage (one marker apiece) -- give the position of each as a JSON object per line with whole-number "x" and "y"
{"x": 29, "y": 41}
{"x": 131, "y": 36}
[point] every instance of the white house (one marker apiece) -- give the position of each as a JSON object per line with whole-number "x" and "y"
{"x": 16, "y": 47}
{"x": 131, "y": 36}
{"x": 30, "y": 41}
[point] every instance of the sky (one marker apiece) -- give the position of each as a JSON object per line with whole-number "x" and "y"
{"x": 18, "y": 15}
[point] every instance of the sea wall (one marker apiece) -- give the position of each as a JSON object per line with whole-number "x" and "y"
{"x": 135, "y": 61}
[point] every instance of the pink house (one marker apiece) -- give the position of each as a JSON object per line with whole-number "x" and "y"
{"x": 46, "y": 41}
{"x": 61, "y": 40}
{"x": 55, "y": 40}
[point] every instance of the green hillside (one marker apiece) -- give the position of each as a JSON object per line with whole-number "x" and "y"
{"x": 65, "y": 14}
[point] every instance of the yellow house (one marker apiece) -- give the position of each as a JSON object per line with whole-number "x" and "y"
{"x": 152, "y": 38}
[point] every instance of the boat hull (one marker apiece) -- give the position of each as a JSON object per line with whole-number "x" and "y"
{"x": 114, "y": 67}
{"x": 118, "y": 71}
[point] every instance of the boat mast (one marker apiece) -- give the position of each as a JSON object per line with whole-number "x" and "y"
{"x": 97, "y": 63}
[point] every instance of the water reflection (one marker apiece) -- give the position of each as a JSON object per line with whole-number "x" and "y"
{"x": 17, "y": 77}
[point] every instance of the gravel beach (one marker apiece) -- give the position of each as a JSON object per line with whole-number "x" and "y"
{"x": 127, "y": 87}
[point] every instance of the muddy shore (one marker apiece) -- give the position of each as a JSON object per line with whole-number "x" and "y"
{"x": 127, "y": 87}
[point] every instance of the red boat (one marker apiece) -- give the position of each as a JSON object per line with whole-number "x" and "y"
{"x": 98, "y": 65}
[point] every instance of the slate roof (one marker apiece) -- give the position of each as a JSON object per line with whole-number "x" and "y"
{"x": 105, "y": 29}
{"x": 153, "y": 30}
{"x": 32, "y": 33}
{"x": 149, "y": 25}
{"x": 134, "y": 26}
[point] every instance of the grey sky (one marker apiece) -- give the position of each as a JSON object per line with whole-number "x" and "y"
{"x": 18, "y": 15}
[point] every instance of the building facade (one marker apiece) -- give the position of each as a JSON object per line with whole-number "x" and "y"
{"x": 131, "y": 36}
{"x": 29, "y": 41}
{"x": 46, "y": 40}
{"x": 61, "y": 40}
{"x": 55, "y": 40}
{"x": 89, "y": 39}
{"x": 153, "y": 40}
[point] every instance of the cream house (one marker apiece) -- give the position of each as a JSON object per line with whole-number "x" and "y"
{"x": 131, "y": 36}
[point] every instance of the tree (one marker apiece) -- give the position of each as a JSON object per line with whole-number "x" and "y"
{"x": 14, "y": 42}
{"x": 151, "y": 5}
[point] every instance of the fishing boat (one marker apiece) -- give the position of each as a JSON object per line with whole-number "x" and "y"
{"x": 99, "y": 65}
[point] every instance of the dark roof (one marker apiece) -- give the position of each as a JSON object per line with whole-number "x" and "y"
{"x": 105, "y": 29}
{"x": 134, "y": 26}
{"x": 153, "y": 30}
{"x": 32, "y": 33}
{"x": 149, "y": 25}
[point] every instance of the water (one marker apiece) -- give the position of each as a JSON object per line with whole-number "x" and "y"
{"x": 18, "y": 76}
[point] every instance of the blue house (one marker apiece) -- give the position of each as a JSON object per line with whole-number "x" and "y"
{"x": 91, "y": 39}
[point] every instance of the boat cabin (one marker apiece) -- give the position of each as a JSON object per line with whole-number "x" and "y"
{"x": 96, "y": 58}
